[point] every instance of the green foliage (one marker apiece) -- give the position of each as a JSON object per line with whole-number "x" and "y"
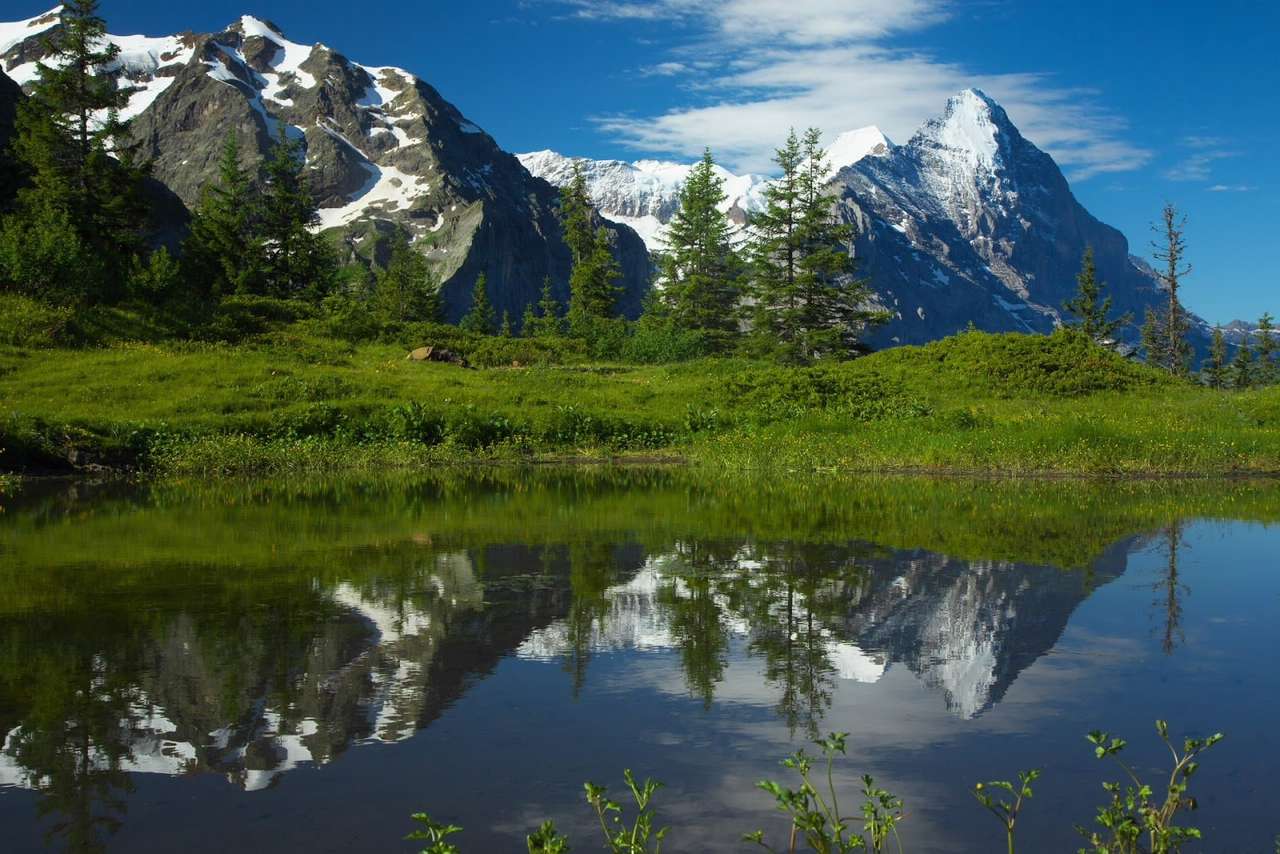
{"x": 1215, "y": 369}
{"x": 434, "y": 834}
{"x": 660, "y": 339}
{"x": 545, "y": 320}
{"x": 638, "y": 836}
{"x": 547, "y": 840}
{"x": 808, "y": 304}
{"x": 83, "y": 209}
{"x": 26, "y": 322}
{"x": 407, "y": 290}
{"x": 1242, "y": 366}
{"x": 295, "y": 262}
{"x": 1135, "y": 811}
{"x": 1092, "y": 312}
{"x": 1007, "y": 807}
{"x": 701, "y": 272}
{"x": 593, "y": 287}
{"x": 222, "y": 255}
{"x": 779, "y": 393}
{"x": 158, "y": 280}
{"x": 481, "y": 318}
{"x": 1268, "y": 369}
{"x": 239, "y": 317}
{"x": 815, "y": 814}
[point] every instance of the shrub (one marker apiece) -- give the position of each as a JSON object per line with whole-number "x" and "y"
{"x": 26, "y": 322}
{"x": 238, "y": 317}
{"x": 659, "y": 341}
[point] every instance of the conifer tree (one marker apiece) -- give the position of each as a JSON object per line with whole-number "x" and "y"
{"x": 79, "y": 228}
{"x": 407, "y": 289}
{"x": 700, "y": 268}
{"x": 1267, "y": 368}
{"x": 575, "y": 215}
{"x": 545, "y": 321}
{"x": 221, "y": 255}
{"x": 481, "y": 319}
{"x": 1090, "y": 309}
{"x": 1242, "y": 367}
{"x": 807, "y": 300}
{"x": 1215, "y": 369}
{"x": 297, "y": 263}
{"x": 1153, "y": 340}
{"x": 505, "y": 330}
{"x": 1174, "y": 353}
{"x": 593, "y": 286}
{"x": 774, "y": 253}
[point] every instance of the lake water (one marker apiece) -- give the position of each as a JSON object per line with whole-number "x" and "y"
{"x": 301, "y": 666}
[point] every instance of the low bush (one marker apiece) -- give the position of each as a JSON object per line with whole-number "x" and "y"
{"x": 26, "y": 322}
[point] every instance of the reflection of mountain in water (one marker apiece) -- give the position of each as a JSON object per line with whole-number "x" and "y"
{"x": 256, "y": 691}
{"x": 965, "y": 628}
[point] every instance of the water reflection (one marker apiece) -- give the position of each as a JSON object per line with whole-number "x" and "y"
{"x": 249, "y": 667}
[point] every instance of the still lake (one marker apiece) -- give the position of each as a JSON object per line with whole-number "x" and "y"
{"x": 293, "y": 667}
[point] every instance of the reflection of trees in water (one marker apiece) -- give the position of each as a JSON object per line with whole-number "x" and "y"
{"x": 1171, "y": 590}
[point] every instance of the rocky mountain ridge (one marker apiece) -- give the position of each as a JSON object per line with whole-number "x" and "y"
{"x": 383, "y": 150}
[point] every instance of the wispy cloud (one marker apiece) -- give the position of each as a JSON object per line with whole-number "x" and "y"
{"x": 1198, "y": 164}
{"x": 832, "y": 64}
{"x": 1231, "y": 188}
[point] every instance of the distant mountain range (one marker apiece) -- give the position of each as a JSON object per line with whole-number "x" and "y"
{"x": 967, "y": 222}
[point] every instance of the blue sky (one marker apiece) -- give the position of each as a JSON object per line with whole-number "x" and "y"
{"x": 1140, "y": 102}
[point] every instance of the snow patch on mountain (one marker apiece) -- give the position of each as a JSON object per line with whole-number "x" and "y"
{"x": 851, "y": 146}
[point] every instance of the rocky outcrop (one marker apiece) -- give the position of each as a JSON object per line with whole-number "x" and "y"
{"x": 384, "y": 150}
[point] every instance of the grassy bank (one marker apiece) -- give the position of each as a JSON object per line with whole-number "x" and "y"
{"x": 291, "y": 401}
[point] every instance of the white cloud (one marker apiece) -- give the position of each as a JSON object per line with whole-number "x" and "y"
{"x": 1197, "y": 166}
{"x": 1231, "y": 188}
{"x": 830, "y": 64}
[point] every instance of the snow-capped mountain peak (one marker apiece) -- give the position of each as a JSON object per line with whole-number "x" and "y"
{"x": 971, "y": 128}
{"x": 851, "y": 146}
{"x": 15, "y": 32}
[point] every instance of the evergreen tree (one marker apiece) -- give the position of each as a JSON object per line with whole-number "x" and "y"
{"x": 1089, "y": 307}
{"x": 481, "y": 319}
{"x": 1267, "y": 368}
{"x": 774, "y": 253}
{"x": 221, "y": 255}
{"x": 1242, "y": 367}
{"x": 700, "y": 268}
{"x": 1215, "y": 369}
{"x": 1153, "y": 340}
{"x": 407, "y": 289}
{"x": 807, "y": 300}
{"x": 545, "y": 321}
{"x": 505, "y": 330}
{"x": 79, "y": 228}
{"x": 1174, "y": 353}
{"x": 297, "y": 263}
{"x": 593, "y": 282}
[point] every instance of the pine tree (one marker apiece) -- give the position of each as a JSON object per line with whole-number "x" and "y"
{"x": 221, "y": 255}
{"x": 1153, "y": 339}
{"x": 1242, "y": 367}
{"x": 481, "y": 319}
{"x": 407, "y": 289}
{"x": 505, "y": 330}
{"x": 1267, "y": 368}
{"x": 700, "y": 268}
{"x": 297, "y": 263}
{"x": 576, "y": 215}
{"x": 1215, "y": 370}
{"x": 593, "y": 286}
{"x": 545, "y": 321}
{"x": 807, "y": 300}
{"x": 774, "y": 253}
{"x": 79, "y": 228}
{"x": 1089, "y": 307}
{"x": 1174, "y": 354}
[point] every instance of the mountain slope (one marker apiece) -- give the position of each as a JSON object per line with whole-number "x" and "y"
{"x": 383, "y": 149}
{"x": 970, "y": 222}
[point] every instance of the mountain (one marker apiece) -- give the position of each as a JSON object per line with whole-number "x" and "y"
{"x": 383, "y": 149}
{"x": 971, "y": 222}
{"x": 645, "y": 194}
{"x": 968, "y": 222}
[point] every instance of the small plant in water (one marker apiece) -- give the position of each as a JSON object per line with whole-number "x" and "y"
{"x": 620, "y": 838}
{"x": 1134, "y": 811}
{"x": 816, "y": 818}
{"x": 1005, "y": 807}
{"x": 435, "y": 834}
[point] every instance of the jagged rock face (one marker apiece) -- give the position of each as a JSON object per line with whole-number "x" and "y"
{"x": 970, "y": 222}
{"x": 383, "y": 148}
